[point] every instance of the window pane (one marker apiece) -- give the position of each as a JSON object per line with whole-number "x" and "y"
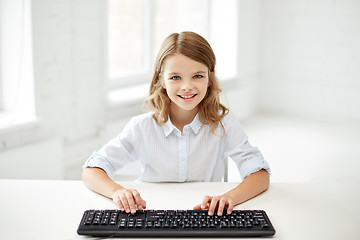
{"x": 224, "y": 37}
{"x": 125, "y": 37}
{"x": 17, "y": 83}
{"x": 177, "y": 16}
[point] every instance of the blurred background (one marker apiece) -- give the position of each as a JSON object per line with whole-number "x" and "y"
{"x": 73, "y": 72}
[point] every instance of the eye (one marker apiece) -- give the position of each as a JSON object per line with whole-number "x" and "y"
{"x": 198, "y": 76}
{"x": 175, "y": 78}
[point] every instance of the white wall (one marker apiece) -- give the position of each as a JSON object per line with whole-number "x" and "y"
{"x": 69, "y": 90}
{"x": 310, "y": 59}
{"x": 241, "y": 96}
{"x": 39, "y": 160}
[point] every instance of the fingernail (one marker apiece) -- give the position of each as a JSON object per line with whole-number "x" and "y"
{"x": 210, "y": 213}
{"x": 133, "y": 211}
{"x": 219, "y": 213}
{"x": 202, "y": 206}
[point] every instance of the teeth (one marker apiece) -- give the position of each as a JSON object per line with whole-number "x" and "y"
{"x": 188, "y": 96}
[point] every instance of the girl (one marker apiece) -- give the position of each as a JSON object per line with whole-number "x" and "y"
{"x": 186, "y": 137}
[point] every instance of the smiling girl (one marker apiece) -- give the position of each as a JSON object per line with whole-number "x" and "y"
{"x": 186, "y": 137}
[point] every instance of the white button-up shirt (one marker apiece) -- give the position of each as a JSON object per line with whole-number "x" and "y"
{"x": 168, "y": 155}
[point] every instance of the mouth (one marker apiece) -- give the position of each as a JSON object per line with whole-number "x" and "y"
{"x": 190, "y": 96}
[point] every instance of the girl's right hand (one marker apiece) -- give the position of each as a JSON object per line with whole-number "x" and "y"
{"x": 128, "y": 200}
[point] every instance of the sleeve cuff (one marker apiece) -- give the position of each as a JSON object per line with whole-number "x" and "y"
{"x": 96, "y": 160}
{"x": 253, "y": 165}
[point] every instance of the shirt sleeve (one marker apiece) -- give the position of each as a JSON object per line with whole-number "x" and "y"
{"x": 248, "y": 158}
{"x": 116, "y": 153}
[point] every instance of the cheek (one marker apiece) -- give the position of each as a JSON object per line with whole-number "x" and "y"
{"x": 170, "y": 86}
{"x": 169, "y": 89}
{"x": 166, "y": 84}
{"x": 204, "y": 87}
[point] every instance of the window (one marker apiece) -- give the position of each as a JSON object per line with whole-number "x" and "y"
{"x": 136, "y": 29}
{"x": 16, "y": 76}
{"x": 126, "y": 49}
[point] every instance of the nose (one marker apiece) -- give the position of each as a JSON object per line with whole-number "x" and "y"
{"x": 187, "y": 85}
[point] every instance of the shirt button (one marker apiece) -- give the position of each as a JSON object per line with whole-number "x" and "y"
{"x": 186, "y": 129}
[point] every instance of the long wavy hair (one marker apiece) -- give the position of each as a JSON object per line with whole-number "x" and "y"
{"x": 194, "y": 46}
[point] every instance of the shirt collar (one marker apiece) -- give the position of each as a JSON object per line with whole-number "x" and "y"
{"x": 195, "y": 125}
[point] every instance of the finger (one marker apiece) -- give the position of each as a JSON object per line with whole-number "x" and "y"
{"x": 117, "y": 201}
{"x": 221, "y": 206}
{"x": 197, "y": 207}
{"x": 205, "y": 202}
{"x": 213, "y": 205}
{"x": 144, "y": 204}
{"x": 125, "y": 202}
{"x": 230, "y": 207}
{"x": 138, "y": 200}
{"x": 121, "y": 206}
{"x": 131, "y": 201}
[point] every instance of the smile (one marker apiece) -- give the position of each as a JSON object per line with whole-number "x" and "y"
{"x": 187, "y": 96}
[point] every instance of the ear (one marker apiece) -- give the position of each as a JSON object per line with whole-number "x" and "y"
{"x": 160, "y": 81}
{"x": 162, "y": 84}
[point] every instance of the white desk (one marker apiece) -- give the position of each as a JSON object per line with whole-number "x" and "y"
{"x": 31, "y": 209}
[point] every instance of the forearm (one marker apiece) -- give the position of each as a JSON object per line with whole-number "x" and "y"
{"x": 97, "y": 180}
{"x": 252, "y": 186}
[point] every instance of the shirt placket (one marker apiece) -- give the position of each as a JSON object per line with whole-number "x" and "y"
{"x": 183, "y": 161}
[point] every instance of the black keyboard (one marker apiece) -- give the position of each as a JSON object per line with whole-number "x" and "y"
{"x": 175, "y": 223}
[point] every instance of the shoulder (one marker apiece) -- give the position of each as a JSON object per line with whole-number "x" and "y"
{"x": 230, "y": 119}
{"x": 142, "y": 117}
{"x": 143, "y": 120}
{"x": 138, "y": 124}
{"x": 232, "y": 125}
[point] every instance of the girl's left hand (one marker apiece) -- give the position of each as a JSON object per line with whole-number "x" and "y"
{"x": 216, "y": 202}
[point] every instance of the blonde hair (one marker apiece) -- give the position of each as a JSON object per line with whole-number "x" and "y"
{"x": 194, "y": 46}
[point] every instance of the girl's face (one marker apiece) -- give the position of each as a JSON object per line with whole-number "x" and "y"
{"x": 186, "y": 82}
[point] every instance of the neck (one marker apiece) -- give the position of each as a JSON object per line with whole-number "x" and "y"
{"x": 180, "y": 117}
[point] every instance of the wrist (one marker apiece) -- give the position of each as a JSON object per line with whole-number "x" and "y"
{"x": 235, "y": 195}
{"x": 115, "y": 190}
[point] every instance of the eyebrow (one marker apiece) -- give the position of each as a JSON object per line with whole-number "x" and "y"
{"x": 176, "y": 73}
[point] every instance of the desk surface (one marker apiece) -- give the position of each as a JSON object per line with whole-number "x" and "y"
{"x": 37, "y": 209}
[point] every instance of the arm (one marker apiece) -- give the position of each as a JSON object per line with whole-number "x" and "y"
{"x": 252, "y": 186}
{"x": 97, "y": 180}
